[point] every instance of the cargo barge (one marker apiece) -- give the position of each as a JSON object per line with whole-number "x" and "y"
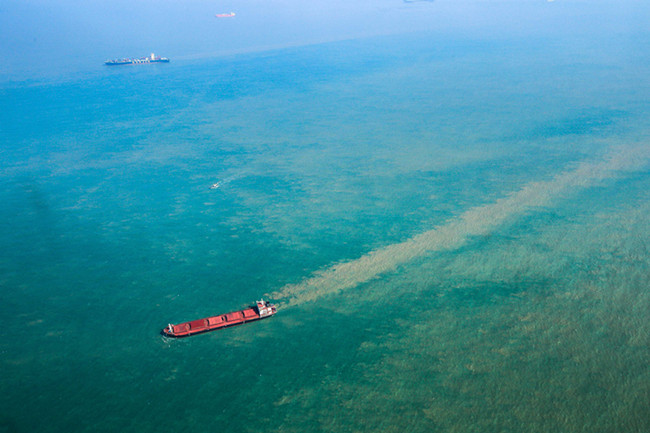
{"x": 150, "y": 59}
{"x": 260, "y": 310}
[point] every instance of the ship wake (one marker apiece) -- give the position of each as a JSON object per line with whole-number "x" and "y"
{"x": 456, "y": 232}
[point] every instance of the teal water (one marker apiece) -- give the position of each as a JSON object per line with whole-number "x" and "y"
{"x": 455, "y": 231}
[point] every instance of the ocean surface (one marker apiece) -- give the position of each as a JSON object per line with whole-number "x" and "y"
{"x": 455, "y": 231}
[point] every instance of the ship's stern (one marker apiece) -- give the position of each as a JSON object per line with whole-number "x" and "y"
{"x": 265, "y": 309}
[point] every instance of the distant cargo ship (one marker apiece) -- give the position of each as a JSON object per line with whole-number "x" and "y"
{"x": 228, "y": 15}
{"x": 150, "y": 59}
{"x": 260, "y": 310}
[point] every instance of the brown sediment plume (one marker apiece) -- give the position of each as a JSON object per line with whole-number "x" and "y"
{"x": 453, "y": 234}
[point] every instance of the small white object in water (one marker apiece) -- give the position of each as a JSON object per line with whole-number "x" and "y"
{"x": 215, "y": 185}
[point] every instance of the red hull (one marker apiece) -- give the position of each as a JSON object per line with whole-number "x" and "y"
{"x": 259, "y": 311}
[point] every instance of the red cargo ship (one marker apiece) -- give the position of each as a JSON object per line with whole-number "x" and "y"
{"x": 260, "y": 310}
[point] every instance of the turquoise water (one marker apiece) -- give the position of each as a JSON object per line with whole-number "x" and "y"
{"x": 455, "y": 231}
